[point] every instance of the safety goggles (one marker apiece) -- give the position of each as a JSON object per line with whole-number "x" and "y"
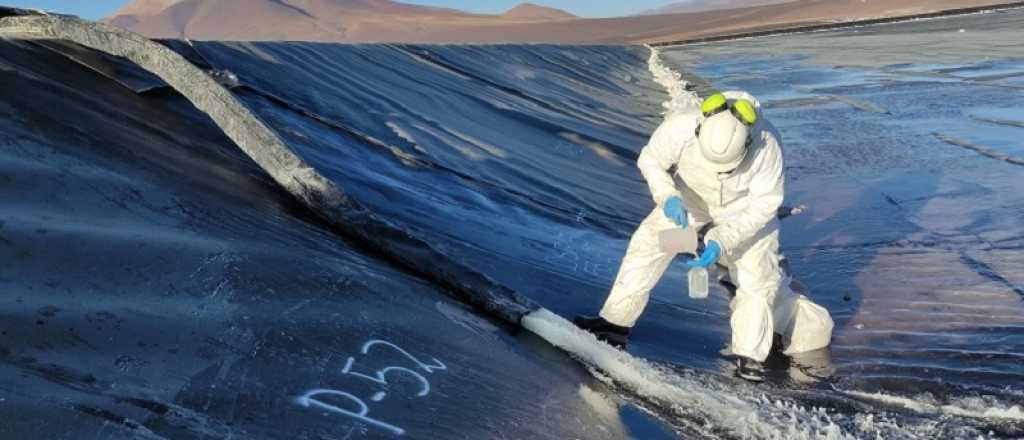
{"x": 742, "y": 109}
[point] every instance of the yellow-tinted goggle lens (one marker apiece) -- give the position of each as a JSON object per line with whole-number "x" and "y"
{"x": 713, "y": 104}
{"x": 744, "y": 111}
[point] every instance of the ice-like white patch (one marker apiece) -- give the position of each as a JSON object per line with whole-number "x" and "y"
{"x": 478, "y": 143}
{"x": 972, "y": 407}
{"x": 525, "y": 74}
{"x": 402, "y": 133}
{"x": 597, "y": 148}
{"x": 259, "y": 52}
{"x": 680, "y": 99}
{"x": 745, "y": 413}
{"x": 736, "y": 410}
{"x": 469, "y": 146}
{"x": 601, "y": 404}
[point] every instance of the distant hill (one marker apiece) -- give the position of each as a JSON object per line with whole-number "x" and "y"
{"x": 133, "y": 13}
{"x": 392, "y": 21}
{"x": 690, "y": 6}
{"x": 317, "y": 20}
{"x": 531, "y": 11}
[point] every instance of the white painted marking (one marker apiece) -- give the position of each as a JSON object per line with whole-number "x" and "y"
{"x": 308, "y": 400}
{"x": 438, "y": 365}
{"x": 380, "y": 377}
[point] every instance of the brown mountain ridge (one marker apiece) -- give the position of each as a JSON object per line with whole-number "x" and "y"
{"x": 392, "y": 21}
{"x": 530, "y": 11}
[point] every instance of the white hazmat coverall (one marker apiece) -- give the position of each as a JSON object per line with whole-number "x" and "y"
{"x": 743, "y": 208}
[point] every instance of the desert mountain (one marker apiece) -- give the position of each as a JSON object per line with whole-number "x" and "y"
{"x": 530, "y": 11}
{"x": 132, "y": 13}
{"x": 145, "y": 7}
{"x": 689, "y": 6}
{"x": 387, "y": 20}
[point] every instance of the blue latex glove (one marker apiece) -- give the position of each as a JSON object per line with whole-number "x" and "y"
{"x": 712, "y": 252}
{"x": 675, "y": 211}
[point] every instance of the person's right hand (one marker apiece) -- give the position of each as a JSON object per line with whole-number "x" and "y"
{"x": 675, "y": 211}
{"x": 712, "y": 252}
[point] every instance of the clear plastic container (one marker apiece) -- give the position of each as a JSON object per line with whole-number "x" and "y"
{"x": 698, "y": 278}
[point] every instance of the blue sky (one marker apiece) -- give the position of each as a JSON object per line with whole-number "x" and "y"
{"x": 94, "y": 9}
{"x": 85, "y": 8}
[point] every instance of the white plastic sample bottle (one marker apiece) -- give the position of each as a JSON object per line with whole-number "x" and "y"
{"x": 698, "y": 278}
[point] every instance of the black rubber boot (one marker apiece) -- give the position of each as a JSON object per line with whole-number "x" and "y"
{"x": 749, "y": 369}
{"x": 777, "y": 345}
{"x": 615, "y": 335}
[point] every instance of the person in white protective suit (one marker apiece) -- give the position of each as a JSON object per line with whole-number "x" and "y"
{"x": 729, "y": 184}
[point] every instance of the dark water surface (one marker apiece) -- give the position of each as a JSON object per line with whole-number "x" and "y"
{"x": 906, "y": 142}
{"x": 157, "y": 283}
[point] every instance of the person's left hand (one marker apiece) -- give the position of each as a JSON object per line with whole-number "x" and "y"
{"x": 712, "y": 252}
{"x": 675, "y": 210}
